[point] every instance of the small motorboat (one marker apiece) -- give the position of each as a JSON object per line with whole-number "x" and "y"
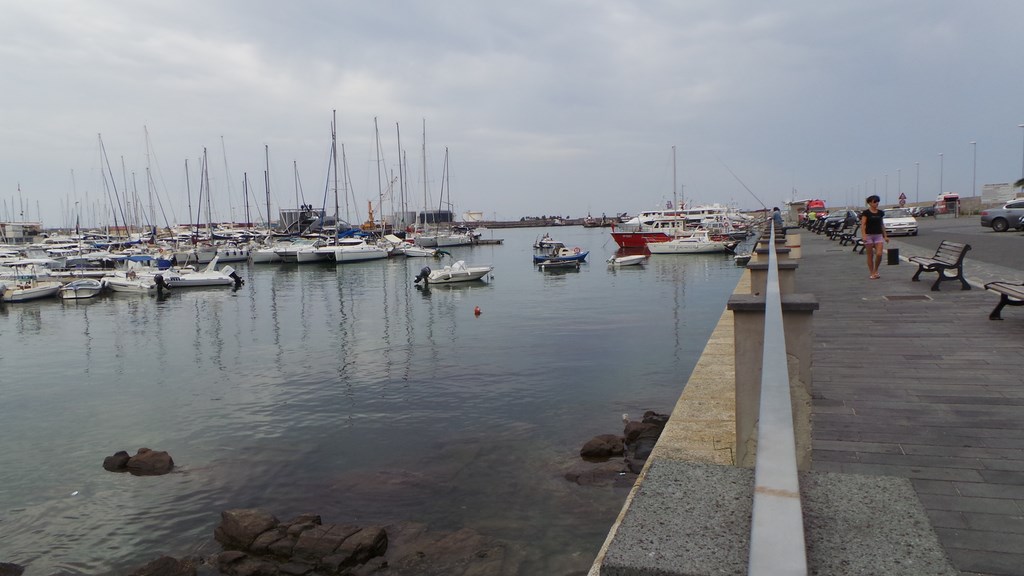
{"x": 130, "y": 282}
{"x": 30, "y": 289}
{"x": 457, "y": 272}
{"x": 741, "y": 259}
{"x": 81, "y": 288}
{"x": 630, "y": 260}
{"x": 209, "y": 276}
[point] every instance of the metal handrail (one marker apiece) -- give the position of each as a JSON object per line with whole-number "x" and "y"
{"x": 777, "y": 544}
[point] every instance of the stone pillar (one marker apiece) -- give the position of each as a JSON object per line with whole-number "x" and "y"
{"x": 761, "y": 254}
{"x": 748, "y": 321}
{"x": 759, "y": 276}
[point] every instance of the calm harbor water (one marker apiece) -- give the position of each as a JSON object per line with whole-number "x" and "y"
{"x": 344, "y": 391}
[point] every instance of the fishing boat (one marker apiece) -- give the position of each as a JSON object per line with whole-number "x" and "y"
{"x": 81, "y": 288}
{"x": 696, "y": 243}
{"x": 562, "y": 253}
{"x": 457, "y": 272}
{"x": 546, "y": 242}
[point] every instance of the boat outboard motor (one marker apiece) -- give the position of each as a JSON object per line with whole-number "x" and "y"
{"x": 424, "y": 273}
{"x": 234, "y": 276}
{"x": 161, "y": 285}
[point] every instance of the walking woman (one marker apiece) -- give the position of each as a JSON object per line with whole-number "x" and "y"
{"x": 872, "y": 230}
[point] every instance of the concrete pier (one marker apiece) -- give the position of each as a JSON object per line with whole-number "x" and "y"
{"x": 917, "y": 414}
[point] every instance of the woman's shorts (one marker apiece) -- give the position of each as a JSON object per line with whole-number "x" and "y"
{"x": 870, "y": 239}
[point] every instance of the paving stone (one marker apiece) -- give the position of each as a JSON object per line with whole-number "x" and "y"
{"x": 933, "y": 377}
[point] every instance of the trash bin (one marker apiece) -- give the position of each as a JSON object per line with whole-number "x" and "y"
{"x": 894, "y": 256}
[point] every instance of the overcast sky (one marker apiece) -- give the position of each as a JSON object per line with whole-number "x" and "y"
{"x": 545, "y": 107}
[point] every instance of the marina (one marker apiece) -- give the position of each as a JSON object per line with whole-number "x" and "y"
{"x": 347, "y": 391}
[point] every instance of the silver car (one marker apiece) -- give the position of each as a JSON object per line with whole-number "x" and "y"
{"x": 1002, "y": 219}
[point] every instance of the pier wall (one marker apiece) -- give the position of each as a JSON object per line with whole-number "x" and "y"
{"x": 689, "y": 512}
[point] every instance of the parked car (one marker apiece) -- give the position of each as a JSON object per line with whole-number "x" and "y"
{"x": 899, "y": 222}
{"x": 1002, "y": 219}
{"x": 838, "y": 219}
{"x": 922, "y": 211}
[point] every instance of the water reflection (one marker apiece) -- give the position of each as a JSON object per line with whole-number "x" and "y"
{"x": 346, "y": 390}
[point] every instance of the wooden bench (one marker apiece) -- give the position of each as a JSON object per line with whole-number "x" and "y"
{"x": 1009, "y": 293}
{"x": 948, "y": 256}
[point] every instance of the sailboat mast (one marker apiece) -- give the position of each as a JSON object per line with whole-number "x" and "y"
{"x": 401, "y": 181}
{"x": 425, "y": 174}
{"x": 380, "y": 189}
{"x": 675, "y": 204}
{"x": 266, "y": 181}
{"x": 188, "y": 190}
{"x": 209, "y": 206}
{"x": 334, "y": 161}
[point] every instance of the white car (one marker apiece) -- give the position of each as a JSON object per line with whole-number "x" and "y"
{"x": 899, "y": 222}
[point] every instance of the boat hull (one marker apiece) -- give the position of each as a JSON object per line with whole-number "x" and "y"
{"x": 130, "y": 286}
{"x": 80, "y": 289}
{"x": 632, "y": 260}
{"x": 35, "y": 291}
{"x": 639, "y": 239}
{"x": 687, "y": 247}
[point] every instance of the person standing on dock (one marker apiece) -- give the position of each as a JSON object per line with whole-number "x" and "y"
{"x": 872, "y": 230}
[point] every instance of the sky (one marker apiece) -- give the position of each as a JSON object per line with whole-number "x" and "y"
{"x": 556, "y": 107}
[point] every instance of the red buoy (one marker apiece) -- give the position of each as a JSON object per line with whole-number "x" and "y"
{"x": 476, "y": 311}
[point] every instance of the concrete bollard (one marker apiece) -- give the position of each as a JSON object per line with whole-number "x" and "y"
{"x": 748, "y": 322}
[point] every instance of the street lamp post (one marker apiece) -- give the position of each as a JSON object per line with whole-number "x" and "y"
{"x": 917, "y": 183}
{"x": 974, "y": 169}
{"x": 1022, "y": 152}
{"x": 940, "y": 173}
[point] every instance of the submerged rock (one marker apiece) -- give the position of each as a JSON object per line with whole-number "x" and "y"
{"x": 603, "y": 446}
{"x": 146, "y": 462}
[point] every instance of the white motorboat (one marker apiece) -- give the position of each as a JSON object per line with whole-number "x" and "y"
{"x": 457, "y": 272}
{"x": 30, "y": 289}
{"x": 290, "y": 253}
{"x": 208, "y": 276}
{"x": 414, "y": 251}
{"x": 81, "y": 288}
{"x": 130, "y": 282}
{"x": 232, "y": 253}
{"x": 630, "y": 260}
{"x": 264, "y": 255}
{"x": 353, "y": 250}
{"x": 696, "y": 243}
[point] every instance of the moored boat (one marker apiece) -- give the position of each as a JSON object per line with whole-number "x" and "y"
{"x": 457, "y": 272}
{"x": 130, "y": 282}
{"x": 561, "y": 253}
{"x": 81, "y": 288}
{"x": 30, "y": 289}
{"x": 698, "y": 243}
{"x": 628, "y": 260}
